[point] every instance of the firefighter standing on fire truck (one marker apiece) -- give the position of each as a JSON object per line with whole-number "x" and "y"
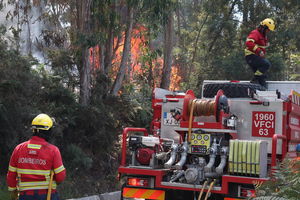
{"x": 31, "y": 164}
{"x": 256, "y": 44}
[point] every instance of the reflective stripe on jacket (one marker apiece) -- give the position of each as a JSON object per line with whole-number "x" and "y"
{"x": 31, "y": 163}
{"x": 255, "y": 43}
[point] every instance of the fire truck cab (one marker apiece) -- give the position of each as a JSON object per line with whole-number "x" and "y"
{"x": 214, "y": 147}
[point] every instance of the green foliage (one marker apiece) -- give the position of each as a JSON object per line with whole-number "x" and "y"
{"x": 17, "y": 98}
{"x": 269, "y": 198}
{"x": 4, "y": 194}
{"x": 140, "y": 99}
{"x": 294, "y": 66}
{"x": 285, "y": 183}
{"x": 78, "y": 160}
{"x": 277, "y": 70}
{"x": 230, "y": 67}
{"x": 63, "y": 66}
{"x": 155, "y": 12}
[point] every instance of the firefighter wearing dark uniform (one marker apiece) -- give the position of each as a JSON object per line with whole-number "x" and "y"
{"x": 31, "y": 164}
{"x": 256, "y": 44}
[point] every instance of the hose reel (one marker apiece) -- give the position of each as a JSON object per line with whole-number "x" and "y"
{"x": 204, "y": 107}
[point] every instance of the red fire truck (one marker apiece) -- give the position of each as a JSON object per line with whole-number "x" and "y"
{"x": 214, "y": 147}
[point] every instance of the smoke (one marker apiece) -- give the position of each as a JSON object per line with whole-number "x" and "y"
{"x": 4, "y": 12}
{"x": 23, "y": 23}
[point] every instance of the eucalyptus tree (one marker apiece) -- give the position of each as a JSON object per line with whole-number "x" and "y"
{"x": 158, "y": 18}
{"x": 148, "y": 12}
{"x": 207, "y": 31}
{"x": 131, "y": 9}
{"x": 168, "y": 47}
{"x": 286, "y": 38}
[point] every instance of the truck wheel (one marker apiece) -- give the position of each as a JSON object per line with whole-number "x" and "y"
{"x": 231, "y": 90}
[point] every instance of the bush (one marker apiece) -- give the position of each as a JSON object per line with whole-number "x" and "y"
{"x": 284, "y": 184}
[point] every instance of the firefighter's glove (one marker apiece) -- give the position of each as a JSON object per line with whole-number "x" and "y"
{"x": 14, "y": 195}
{"x": 261, "y": 54}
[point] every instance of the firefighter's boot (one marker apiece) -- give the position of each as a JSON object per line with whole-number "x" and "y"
{"x": 255, "y": 80}
{"x": 262, "y": 80}
{"x": 259, "y": 78}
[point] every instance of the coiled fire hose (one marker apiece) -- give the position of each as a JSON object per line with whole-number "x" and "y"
{"x": 202, "y": 107}
{"x": 199, "y": 107}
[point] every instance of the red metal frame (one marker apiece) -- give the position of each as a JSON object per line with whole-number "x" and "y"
{"x": 156, "y": 106}
{"x": 189, "y": 95}
{"x": 274, "y": 148}
{"x": 284, "y": 137}
{"x": 124, "y": 137}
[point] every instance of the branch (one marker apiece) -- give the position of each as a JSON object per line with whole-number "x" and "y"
{"x": 222, "y": 26}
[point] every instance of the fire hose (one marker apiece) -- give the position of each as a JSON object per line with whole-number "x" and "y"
{"x": 208, "y": 191}
{"x": 50, "y": 185}
{"x": 202, "y": 190}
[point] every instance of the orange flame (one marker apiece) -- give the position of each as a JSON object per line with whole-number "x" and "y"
{"x": 136, "y": 67}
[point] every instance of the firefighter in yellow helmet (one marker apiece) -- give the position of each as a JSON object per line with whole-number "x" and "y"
{"x": 256, "y": 44}
{"x": 31, "y": 164}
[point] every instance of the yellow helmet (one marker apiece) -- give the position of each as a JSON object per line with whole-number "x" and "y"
{"x": 42, "y": 122}
{"x": 269, "y": 23}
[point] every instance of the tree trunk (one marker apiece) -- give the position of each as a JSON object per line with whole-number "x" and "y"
{"x": 168, "y": 47}
{"x": 191, "y": 65}
{"x": 109, "y": 44}
{"x": 245, "y": 7}
{"x": 19, "y": 26}
{"x": 101, "y": 58}
{"x": 28, "y": 41}
{"x": 126, "y": 50}
{"x": 252, "y": 14}
{"x": 150, "y": 79}
{"x": 85, "y": 69}
{"x": 85, "y": 79}
{"x": 108, "y": 52}
{"x": 180, "y": 62}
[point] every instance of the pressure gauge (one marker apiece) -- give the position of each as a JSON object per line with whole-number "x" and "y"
{"x": 205, "y": 137}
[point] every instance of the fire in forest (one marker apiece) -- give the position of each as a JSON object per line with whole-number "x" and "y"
{"x": 140, "y": 64}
